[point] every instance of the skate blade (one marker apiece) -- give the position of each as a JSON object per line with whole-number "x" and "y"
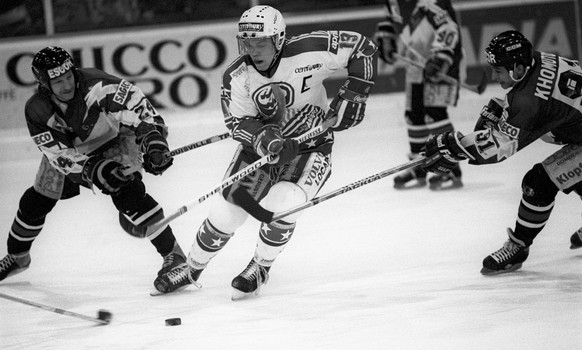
{"x": 155, "y": 293}
{"x": 403, "y": 187}
{"x": 440, "y": 187}
{"x": 240, "y": 295}
{"x": 488, "y": 272}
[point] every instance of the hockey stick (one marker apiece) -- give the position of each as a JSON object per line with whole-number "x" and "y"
{"x": 103, "y": 317}
{"x": 477, "y": 88}
{"x": 146, "y": 230}
{"x": 131, "y": 169}
{"x": 242, "y": 198}
{"x": 200, "y": 143}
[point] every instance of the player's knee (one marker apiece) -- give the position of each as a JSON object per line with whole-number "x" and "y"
{"x": 35, "y": 206}
{"x": 537, "y": 187}
{"x": 225, "y": 216}
{"x": 285, "y": 195}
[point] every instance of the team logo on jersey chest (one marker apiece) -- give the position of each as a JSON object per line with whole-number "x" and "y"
{"x": 264, "y": 97}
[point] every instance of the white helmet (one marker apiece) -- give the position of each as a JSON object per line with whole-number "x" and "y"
{"x": 262, "y": 22}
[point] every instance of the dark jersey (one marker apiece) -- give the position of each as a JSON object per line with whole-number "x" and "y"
{"x": 546, "y": 104}
{"x": 103, "y": 107}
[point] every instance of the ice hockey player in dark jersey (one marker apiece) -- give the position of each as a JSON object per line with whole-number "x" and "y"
{"x": 272, "y": 92}
{"x": 427, "y": 32}
{"x": 544, "y": 102}
{"x": 91, "y": 129}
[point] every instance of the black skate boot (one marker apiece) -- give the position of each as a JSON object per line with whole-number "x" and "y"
{"x": 442, "y": 182}
{"x": 249, "y": 282}
{"x": 409, "y": 179}
{"x": 507, "y": 259}
{"x": 576, "y": 239}
{"x": 177, "y": 278}
{"x": 175, "y": 258}
{"x": 13, "y": 264}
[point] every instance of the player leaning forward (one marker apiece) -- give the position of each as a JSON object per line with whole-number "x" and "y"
{"x": 91, "y": 128}
{"x": 544, "y": 101}
{"x": 273, "y": 91}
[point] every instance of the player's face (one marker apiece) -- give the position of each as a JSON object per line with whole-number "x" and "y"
{"x": 261, "y": 50}
{"x": 501, "y": 75}
{"x": 64, "y": 86}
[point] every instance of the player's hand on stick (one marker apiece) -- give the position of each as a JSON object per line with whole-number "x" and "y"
{"x": 350, "y": 103}
{"x": 443, "y": 152}
{"x": 438, "y": 64}
{"x": 387, "y": 41}
{"x": 106, "y": 174}
{"x": 268, "y": 140}
{"x": 156, "y": 158}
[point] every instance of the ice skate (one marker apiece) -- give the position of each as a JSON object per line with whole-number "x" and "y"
{"x": 249, "y": 282}
{"x": 443, "y": 182}
{"x": 175, "y": 258}
{"x": 13, "y": 264}
{"x": 576, "y": 239}
{"x": 507, "y": 259}
{"x": 176, "y": 279}
{"x": 409, "y": 179}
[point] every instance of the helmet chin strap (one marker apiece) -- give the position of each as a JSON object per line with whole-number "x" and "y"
{"x": 513, "y": 70}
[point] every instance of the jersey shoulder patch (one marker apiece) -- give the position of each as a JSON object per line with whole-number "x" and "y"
{"x": 42, "y": 138}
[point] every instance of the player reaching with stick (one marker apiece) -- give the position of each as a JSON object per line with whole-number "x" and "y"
{"x": 544, "y": 101}
{"x": 272, "y": 92}
{"x": 91, "y": 129}
{"x": 426, "y": 32}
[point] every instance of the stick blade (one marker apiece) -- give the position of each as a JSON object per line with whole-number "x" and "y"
{"x": 243, "y": 199}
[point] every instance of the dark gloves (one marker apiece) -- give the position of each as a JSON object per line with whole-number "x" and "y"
{"x": 106, "y": 174}
{"x": 443, "y": 152}
{"x": 350, "y": 103}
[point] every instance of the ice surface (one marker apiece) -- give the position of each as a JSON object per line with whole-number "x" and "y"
{"x": 374, "y": 268}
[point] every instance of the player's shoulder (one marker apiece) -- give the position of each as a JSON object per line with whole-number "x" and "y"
{"x": 38, "y": 107}
{"x": 236, "y": 69}
{"x": 321, "y": 40}
{"x": 92, "y": 76}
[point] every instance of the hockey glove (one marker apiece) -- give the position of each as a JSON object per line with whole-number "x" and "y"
{"x": 156, "y": 158}
{"x": 350, "y": 103}
{"x": 386, "y": 38}
{"x": 443, "y": 152}
{"x": 268, "y": 140}
{"x": 106, "y": 174}
{"x": 438, "y": 64}
{"x": 490, "y": 114}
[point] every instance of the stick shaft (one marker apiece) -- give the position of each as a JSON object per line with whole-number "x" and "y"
{"x": 144, "y": 231}
{"x": 227, "y": 182}
{"x": 347, "y": 188}
{"x": 53, "y": 309}
{"x": 200, "y": 143}
{"x": 444, "y": 77}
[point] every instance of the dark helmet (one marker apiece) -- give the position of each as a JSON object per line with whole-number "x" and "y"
{"x": 509, "y": 48}
{"x": 51, "y": 62}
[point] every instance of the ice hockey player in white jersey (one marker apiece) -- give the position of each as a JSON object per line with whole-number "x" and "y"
{"x": 427, "y": 32}
{"x": 272, "y": 92}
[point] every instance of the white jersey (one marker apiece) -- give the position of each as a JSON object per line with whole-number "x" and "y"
{"x": 304, "y": 63}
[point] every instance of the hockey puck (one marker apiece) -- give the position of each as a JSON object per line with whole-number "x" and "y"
{"x": 174, "y": 321}
{"x": 104, "y": 316}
